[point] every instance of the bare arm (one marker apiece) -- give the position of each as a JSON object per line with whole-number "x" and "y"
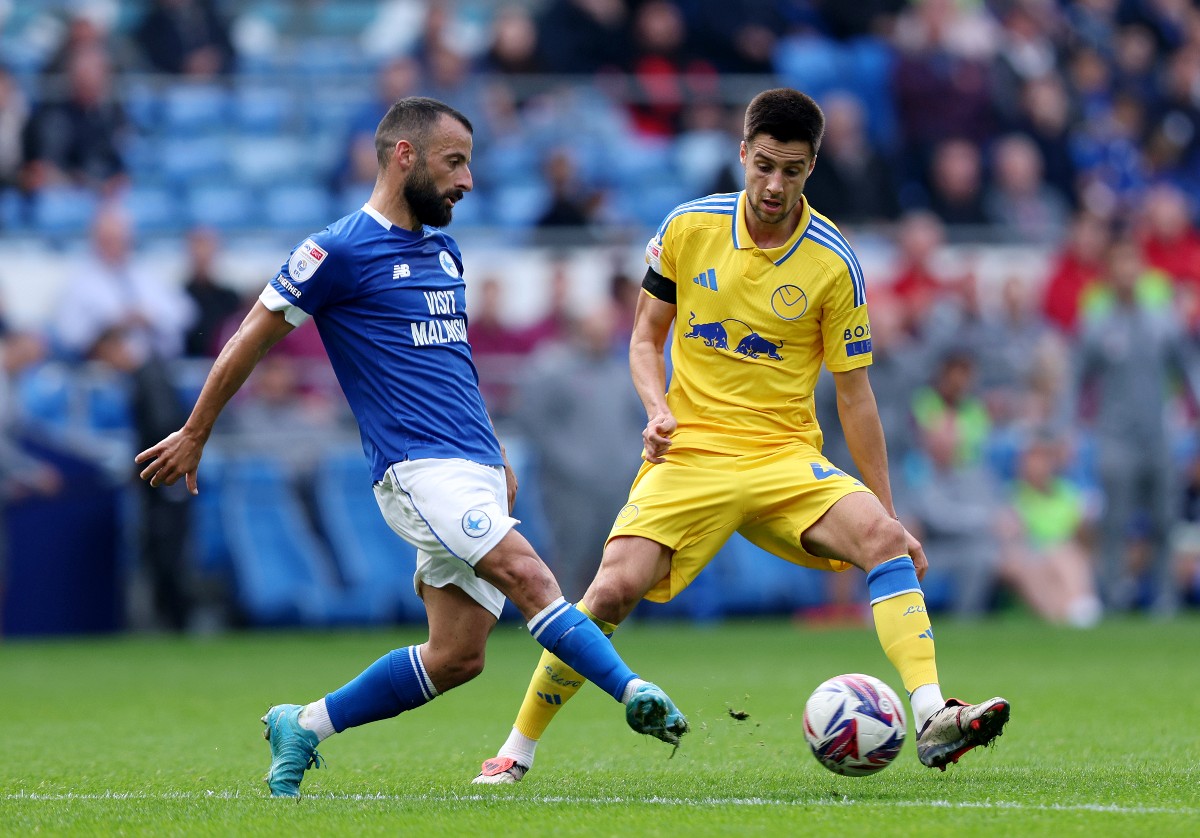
{"x": 651, "y": 325}
{"x": 179, "y": 454}
{"x": 859, "y": 416}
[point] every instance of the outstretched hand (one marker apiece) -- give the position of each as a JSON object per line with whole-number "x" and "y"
{"x": 176, "y": 456}
{"x": 656, "y": 438}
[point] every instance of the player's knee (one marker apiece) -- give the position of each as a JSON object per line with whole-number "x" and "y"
{"x": 881, "y": 539}
{"x": 611, "y": 599}
{"x": 453, "y": 670}
{"x": 522, "y": 577}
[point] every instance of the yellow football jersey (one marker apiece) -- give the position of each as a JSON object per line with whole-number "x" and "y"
{"x": 753, "y": 326}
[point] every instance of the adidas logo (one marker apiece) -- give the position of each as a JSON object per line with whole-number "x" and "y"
{"x": 708, "y": 279}
{"x": 927, "y": 634}
{"x": 550, "y": 698}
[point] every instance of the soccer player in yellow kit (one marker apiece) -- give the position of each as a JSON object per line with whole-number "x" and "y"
{"x": 762, "y": 289}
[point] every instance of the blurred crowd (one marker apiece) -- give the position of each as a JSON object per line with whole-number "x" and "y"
{"x": 1041, "y": 426}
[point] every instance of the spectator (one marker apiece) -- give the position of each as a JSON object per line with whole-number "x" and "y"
{"x": 584, "y": 36}
{"x": 185, "y": 38}
{"x": 956, "y": 184}
{"x": 77, "y": 139}
{"x": 738, "y": 36}
{"x": 1078, "y": 265}
{"x": 395, "y": 79}
{"x": 570, "y": 203}
{"x": 940, "y": 79}
{"x": 513, "y": 49}
{"x": 110, "y": 291}
{"x": 88, "y": 26}
{"x": 1170, "y": 241}
{"x": 164, "y": 518}
{"x": 919, "y": 281}
{"x": 213, "y": 302}
{"x": 665, "y": 73}
{"x": 558, "y": 323}
{"x": 1018, "y": 199}
{"x": 496, "y": 347}
{"x": 1044, "y": 547}
{"x": 948, "y": 407}
{"x": 275, "y": 398}
{"x": 852, "y": 183}
{"x": 1003, "y": 338}
{"x": 1111, "y": 169}
{"x": 1131, "y": 354}
{"x": 953, "y": 503}
{"x": 1175, "y": 119}
{"x": 14, "y": 110}
{"x": 581, "y": 389}
{"x": 1045, "y": 118}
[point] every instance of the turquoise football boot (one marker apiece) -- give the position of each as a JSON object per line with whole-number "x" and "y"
{"x": 293, "y": 750}
{"x": 652, "y": 712}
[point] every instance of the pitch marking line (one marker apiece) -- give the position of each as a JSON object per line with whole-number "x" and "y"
{"x": 612, "y": 801}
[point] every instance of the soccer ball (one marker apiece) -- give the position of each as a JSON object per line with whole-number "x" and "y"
{"x": 854, "y": 725}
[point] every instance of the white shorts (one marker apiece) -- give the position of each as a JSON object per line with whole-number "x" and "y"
{"x": 454, "y": 512}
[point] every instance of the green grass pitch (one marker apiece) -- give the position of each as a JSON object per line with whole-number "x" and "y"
{"x": 154, "y": 736}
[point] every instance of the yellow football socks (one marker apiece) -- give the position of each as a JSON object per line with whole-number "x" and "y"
{"x": 902, "y": 622}
{"x": 552, "y": 685}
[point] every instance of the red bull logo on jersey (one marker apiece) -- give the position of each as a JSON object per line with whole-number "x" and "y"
{"x": 748, "y": 342}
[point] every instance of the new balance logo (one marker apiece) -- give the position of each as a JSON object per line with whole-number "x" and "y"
{"x": 399, "y": 271}
{"x": 550, "y": 698}
{"x": 927, "y": 634}
{"x": 708, "y": 279}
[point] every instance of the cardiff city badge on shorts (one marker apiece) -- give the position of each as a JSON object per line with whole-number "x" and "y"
{"x": 476, "y": 523}
{"x": 448, "y": 264}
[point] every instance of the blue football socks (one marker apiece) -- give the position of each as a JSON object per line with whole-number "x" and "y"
{"x": 564, "y": 631}
{"x": 394, "y": 683}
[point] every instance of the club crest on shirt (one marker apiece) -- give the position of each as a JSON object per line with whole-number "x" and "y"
{"x": 305, "y": 261}
{"x": 476, "y": 523}
{"x": 447, "y": 262}
{"x": 789, "y": 302}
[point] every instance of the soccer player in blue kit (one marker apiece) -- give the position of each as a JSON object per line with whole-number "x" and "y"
{"x": 385, "y": 289}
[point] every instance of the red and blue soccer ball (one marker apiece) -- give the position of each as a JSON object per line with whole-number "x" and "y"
{"x": 854, "y": 725}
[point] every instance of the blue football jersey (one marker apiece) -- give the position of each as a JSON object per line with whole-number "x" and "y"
{"x": 390, "y": 306}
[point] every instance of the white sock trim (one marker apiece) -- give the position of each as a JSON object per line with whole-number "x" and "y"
{"x": 925, "y": 700}
{"x": 538, "y": 624}
{"x": 519, "y": 748}
{"x": 630, "y": 688}
{"x": 315, "y": 717}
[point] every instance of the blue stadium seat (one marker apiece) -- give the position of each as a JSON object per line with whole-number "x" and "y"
{"x": 155, "y": 209}
{"x": 519, "y": 205}
{"x": 297, "y": 209}
{"x": 269, "y": 160}
{"x": 12, "y": 210}
{"x": 263, "y": 109}
{"x": 189, "y": 110}
{"x": 284, "y": 575}
{"x": 370, "y": 555}
{"x": 63, "y": 211}
{"x": 221, "y": 207}
{"x": 184, "y": 160}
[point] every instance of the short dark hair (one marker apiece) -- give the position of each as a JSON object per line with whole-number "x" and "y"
{"x": 787, "y": 115}
{"x": 411, "y": 119}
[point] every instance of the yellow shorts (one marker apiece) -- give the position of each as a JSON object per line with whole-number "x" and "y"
{"x": 696, "y": 500}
